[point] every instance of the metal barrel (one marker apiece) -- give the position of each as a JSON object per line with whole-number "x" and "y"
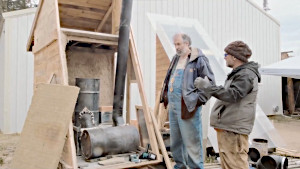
{"x": 96, "y": 142}
{"x": 88, "y": 97}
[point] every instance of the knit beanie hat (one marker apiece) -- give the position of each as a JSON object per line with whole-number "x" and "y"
{"x": 239, "y": 50}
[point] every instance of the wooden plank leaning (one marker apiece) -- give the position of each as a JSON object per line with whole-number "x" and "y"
{"x": 149, "y": 114}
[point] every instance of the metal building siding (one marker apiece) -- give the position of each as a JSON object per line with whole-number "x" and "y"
{"x": 18, "y": 70}
{"x": 225, "y": 21}
{"x": 2, "y": 47}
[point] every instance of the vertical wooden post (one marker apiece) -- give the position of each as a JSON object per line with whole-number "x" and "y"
{"x": 130, "y": 77}
{"x": 291, "y": 98}
{"x": 149, "y": 115}
{"x": 290, "y": 88}
{"x": 69, "y": 152}
{"x": 116, "y": 14}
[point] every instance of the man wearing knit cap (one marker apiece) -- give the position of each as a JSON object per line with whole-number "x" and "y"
{"x": 233, "y": 113}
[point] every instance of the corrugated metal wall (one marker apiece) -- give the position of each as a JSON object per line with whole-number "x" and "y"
{"x": 224, "y": 21}
{"x": 17, "y": 70}
{"x": 2, "y": 47}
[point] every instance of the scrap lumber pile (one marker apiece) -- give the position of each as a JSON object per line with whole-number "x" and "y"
{"x": 287, "y": 152}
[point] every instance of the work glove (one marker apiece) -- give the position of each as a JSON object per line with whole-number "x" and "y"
{"x": 203, "y": 84}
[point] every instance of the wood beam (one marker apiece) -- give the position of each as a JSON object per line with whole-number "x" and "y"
{"x": 100, "y": 26}
{"x": 116, "y": 15}
{"x": 88, "y": 34}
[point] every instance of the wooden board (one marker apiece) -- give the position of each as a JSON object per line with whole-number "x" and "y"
{"x": 92, "y": 40}
{"x": 73, "y": 12}
{"x": 46, "y": 27}
{"x": 46, "y": 126}
{"x": 142, "y": 126}
{"x": 105, "y": 108}
{"x": 105, "y": 18}
{"x": 92, "y": 4}
{"x": 88, "y": 34}
{"x": 287, "y": 152}
{"x": 116, "y": 14}
{"x": 80, "y": 24}
{"x": 162, "y": 65}
{"x": 140, "y": 82}
{"x": 46, "y": 62}
{"x": 79, "y": 12}
{"x": 153, "y": 130}
{"x": 88, "y": 63}
{"x": 162, "y": 116}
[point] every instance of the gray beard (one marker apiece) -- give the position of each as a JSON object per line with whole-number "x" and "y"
{"x": 181, "y": 53}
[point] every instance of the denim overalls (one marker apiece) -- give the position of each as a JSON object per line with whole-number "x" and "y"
{"x": 186, "y": 135}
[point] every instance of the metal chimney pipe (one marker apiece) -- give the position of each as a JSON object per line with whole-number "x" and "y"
{"x": 123, "y": 50}
{"x": 266, "y": 5}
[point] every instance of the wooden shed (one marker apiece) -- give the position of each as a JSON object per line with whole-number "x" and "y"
{"x": 78, "y": 39}
{"x": 62, "y": 31}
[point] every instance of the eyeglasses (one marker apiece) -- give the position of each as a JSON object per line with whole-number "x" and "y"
{"x": 226, "y": 54}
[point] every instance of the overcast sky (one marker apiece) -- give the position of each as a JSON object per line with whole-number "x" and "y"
{"x": 287, "y": 12}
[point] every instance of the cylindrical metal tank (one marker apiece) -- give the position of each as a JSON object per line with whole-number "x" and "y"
{"x": 88, "y": 97}
{"x": 96, "y": 142}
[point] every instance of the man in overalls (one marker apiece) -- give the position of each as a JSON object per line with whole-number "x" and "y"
{"x": 185, "y": 102}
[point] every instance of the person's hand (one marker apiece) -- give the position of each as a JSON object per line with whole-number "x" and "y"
{"x": 201, "y": 83}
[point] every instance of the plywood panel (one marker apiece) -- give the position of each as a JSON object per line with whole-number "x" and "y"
{"x": 46, "y": 62}
{"x": 161, "y": 69}
{"x": 103, "y": 5}
{"x": 88, "y": 63}
{"x": 71, "y": 11}
{"x": 81, "y": 24}
{"x": 46, "y": 27}
{"x": 46, "y": 126}
{"x": 84, "y": 14}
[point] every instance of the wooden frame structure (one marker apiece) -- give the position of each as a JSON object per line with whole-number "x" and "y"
{"x": 66, "y": 36}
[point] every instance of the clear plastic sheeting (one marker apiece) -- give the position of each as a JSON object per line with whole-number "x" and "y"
{"x": 263, "y": 128}
{"x": 165, "y": 27}
{"x": 287, "y": 68}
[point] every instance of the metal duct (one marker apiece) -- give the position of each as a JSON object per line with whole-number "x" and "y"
{"x": 272, "y": 162}
{"x": 87, "y": 103}
{"x": 123, "y": 50}
{"x": 97, "y": 142}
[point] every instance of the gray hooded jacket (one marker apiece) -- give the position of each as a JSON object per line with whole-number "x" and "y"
{"x": 236, "y": 105}
{"x": 197, "y": 66}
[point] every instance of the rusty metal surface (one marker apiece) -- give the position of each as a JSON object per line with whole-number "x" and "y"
{"x": 98, "y": 142}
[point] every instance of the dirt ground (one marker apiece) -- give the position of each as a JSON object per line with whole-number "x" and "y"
{"x": 287, "y": 127}
{"x": 8, "y": 144}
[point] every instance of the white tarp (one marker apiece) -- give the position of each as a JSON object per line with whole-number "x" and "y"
{"x": 289, "y": 67}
